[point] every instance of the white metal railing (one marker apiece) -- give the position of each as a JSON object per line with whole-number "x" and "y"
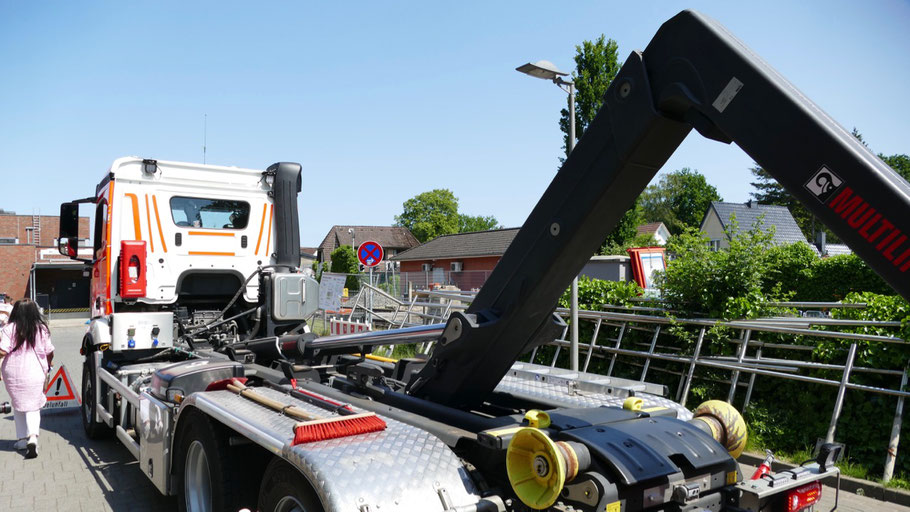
{"x": 741, "y": 363}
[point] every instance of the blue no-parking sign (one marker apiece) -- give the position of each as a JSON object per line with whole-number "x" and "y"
{"x": 369, "y": 253}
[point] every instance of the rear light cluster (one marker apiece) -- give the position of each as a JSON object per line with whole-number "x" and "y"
{"x": 802, "y": 497}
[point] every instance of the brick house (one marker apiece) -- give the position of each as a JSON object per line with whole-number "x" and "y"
{"x": 463, "y": 260}
{"x": 30, "y": 264}
{"x": 393, "y": 239}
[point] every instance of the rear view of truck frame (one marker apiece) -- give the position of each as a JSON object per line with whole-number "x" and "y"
{"x": 199, "y": 361}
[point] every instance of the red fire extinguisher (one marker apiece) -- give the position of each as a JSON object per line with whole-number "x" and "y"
{"x": 765, "y": 466}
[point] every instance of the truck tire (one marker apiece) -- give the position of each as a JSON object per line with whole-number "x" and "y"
{"x": 94, "y": 429}
{"x": 208, "y": 470}
{"x": 284, "y": 489}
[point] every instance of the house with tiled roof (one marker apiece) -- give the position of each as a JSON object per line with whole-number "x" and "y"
{"x": 464, "y": 260}
{"x": 307, "y": 256}
{"x": 393, "y": 239}
{"x": 658, "y": 230}
{"x": 718, "y": 219}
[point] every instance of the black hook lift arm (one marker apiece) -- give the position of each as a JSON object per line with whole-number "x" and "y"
{"x": 693, "y": 74}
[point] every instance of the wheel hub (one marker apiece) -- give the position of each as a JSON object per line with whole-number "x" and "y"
{"x": 197, "y": 480}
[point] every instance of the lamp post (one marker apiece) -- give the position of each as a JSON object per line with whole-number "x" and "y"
{"x": 546, "y": 70}
{"x": 353, "y": 247}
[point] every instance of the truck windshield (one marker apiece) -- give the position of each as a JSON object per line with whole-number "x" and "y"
{"x": 197, "y": 212}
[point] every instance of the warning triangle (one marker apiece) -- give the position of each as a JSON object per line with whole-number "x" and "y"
{"x": 60, "y": 391}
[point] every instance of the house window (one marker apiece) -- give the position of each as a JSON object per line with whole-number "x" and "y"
{"x": 714, "y": 244}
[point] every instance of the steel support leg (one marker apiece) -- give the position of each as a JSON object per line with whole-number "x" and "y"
{"x": 592, "y": 344}
{"x": 839, "y": 402}
{"x": 751, "y": 382}
{"x": 891, "y": 456}
{"x": 556, "y": 354}
{"x": 622, "y": 330}
{"x": 644, "y": 370}
{"x": 688, "y": 384}
{"x": 734, "y": 380}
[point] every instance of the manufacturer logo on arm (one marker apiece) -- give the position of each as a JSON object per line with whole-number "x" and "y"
{"x": 823, "y": 184}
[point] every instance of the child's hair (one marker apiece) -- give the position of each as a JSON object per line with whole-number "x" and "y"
{"x": 28, "y": 321}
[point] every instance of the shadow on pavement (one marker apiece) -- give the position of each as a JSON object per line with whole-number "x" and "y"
{"x": 117, "y": 474}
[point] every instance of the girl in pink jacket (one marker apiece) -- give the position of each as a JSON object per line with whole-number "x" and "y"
{"x": 25, "y": 342}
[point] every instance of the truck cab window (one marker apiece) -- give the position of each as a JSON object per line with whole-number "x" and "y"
{"x": 197, "y": 212}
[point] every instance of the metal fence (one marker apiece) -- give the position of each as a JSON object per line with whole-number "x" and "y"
{"x": 666, "y": 348}
{"x": 403, "y": 285}
{"x": 662, "y": 351}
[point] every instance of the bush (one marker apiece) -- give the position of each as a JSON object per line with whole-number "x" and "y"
{"x": 594, "y": 293}
{"x": 719, "y": 284}
{"x": 836, "y": 277}
{"x": 344, "y": 261}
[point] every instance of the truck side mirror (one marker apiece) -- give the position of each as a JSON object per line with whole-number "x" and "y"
{"x": 68, "y": 236}
{"x": 68, "y": 247}
{"x": 69, "y": 220}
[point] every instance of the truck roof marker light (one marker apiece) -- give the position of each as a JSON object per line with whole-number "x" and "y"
{"x": 150, "y": 166}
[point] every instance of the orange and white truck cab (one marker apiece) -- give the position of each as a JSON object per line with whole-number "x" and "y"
{"x": 165, "y": 226}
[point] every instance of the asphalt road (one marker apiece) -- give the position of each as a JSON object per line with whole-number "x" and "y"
{"x": 74, "y": 473}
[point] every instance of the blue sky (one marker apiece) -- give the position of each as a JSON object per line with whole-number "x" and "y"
{"x": 383, "y": 100}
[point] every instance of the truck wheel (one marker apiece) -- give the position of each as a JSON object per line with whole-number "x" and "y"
{"x": 207, "y": 469}
{"x": 284, "y": 489}
{"x": 94, "y": 429}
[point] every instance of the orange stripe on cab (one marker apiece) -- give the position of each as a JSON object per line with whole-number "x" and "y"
{"x": 210, "y": 233}
{"x": 158, "y": 220}
{"x": 268, "y": 240}
{"x": 148, "y": 220}
{"x": 261, "y": 224}
{"x": 208, "y": 253}
{"x": 137, "y": 231}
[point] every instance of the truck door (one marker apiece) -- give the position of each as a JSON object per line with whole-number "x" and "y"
{"x": 101, "y": 266}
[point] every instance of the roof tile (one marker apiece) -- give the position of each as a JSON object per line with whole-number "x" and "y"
{"x": 462, "y": 245}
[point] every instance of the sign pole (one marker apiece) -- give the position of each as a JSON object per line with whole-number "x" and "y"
{"x": 370, "y": 254}
{"x": 371, "y": 296}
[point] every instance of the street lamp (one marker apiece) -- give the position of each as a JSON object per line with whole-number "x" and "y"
{"x": 546, "y": 70}
{"x": 353, "y": 247}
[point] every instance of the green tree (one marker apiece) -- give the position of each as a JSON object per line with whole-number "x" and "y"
{"x": 900, "y": 164}
{"x": 596, "y": 65}
{"x": 679, "y": 200}
{"x": 344, "y": 261}
{"x": 430, "y": 214}
{"x": 469, "y": 223}
{"x": 435, "y": 213}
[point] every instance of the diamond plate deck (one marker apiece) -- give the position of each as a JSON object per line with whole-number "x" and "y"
{"x": 401, "y": 468}
{"x": 579, "y": 389}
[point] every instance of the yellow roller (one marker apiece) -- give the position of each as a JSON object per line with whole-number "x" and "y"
{"x": 633, "y": 403}
{"x": 725, "y": 423}
{"x": 536, "y": 468}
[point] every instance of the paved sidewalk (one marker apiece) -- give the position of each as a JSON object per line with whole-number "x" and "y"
{"x": 71, "y": 472}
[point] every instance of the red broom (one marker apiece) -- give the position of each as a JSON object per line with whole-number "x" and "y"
{"x": 314, "y": 428}
{"x": 333, "y": 428}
